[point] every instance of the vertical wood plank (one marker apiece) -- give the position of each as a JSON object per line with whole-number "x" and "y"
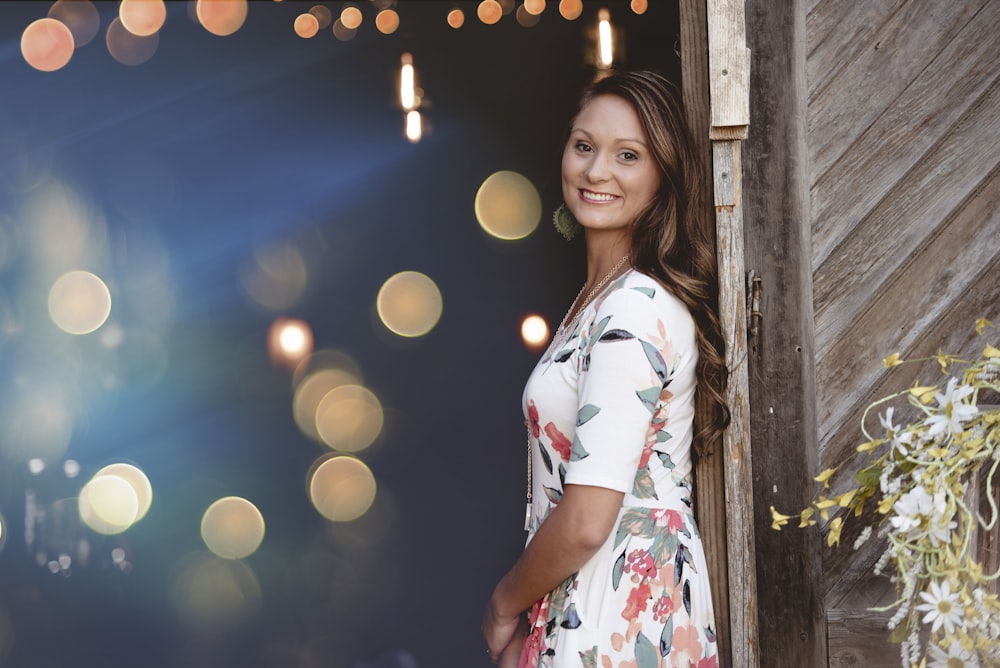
{"x": 791, "y": 616}
{"x": 728, "y": 69}
{"x": 736, "y": 441}
{"x": 710, "y": 499}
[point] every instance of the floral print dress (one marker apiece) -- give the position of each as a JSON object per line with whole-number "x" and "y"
{"x": 611, "y": 404}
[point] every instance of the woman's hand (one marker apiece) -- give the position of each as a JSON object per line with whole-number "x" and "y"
{"x": 499, "y": 631}
{"x": 511, "y": 655}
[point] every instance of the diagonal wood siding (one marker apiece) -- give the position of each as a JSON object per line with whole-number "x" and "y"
{"x": 904, "y": 149}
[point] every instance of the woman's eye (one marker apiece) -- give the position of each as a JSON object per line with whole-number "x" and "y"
{"x": 629, "y": 155}
{"x": 582, "y": 146}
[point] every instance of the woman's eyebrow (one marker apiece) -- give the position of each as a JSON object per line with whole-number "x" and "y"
{"x": 620, "y": 140}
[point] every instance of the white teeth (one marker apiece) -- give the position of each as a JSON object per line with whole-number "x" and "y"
{"x": 598, "y": 197}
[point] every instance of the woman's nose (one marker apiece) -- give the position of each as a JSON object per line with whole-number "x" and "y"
{"x": 597, "y": 169}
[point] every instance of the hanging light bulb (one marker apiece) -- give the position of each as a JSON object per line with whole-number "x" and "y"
{"x": 407, "y": 95}
{"x": 605, "y": 43}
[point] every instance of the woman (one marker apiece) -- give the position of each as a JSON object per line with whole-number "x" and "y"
{"x": 614, "y": 573}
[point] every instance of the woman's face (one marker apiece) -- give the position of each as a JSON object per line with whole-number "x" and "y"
{"x": 609, "y": 174}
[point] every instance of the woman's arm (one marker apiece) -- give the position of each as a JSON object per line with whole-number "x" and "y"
{"x": 569, "y": 536}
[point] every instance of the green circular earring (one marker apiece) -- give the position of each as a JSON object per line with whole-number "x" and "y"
{"x": 565, "y": 223}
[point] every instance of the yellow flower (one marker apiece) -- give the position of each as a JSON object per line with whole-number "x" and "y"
{"x": 778, "y": 520}
{"x": 891, "y": 361}
{"x": 923, "y": 393}
{"x": 991, "y": 351}
{"x": 845, "y": 499}
{"x": 824, "y": 477}
{"x": 834, "y": 536}
{"x": 981, "y": 325}
{"x": 806, "y": 518}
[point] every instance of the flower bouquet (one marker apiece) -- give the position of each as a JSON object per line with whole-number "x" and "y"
{"x": 920, "y": 475}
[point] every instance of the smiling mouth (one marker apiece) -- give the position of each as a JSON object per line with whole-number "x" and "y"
{"x": 590, "y": 196}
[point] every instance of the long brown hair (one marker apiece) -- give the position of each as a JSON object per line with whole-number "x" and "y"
{"x": 671, "y": 239}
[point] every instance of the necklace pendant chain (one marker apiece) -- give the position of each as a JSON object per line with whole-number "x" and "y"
{"x": 590, "y": 296}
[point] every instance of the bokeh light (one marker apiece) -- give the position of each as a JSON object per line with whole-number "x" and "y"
{"x": 221, "y": 17}
{"x": 323, "y": 15}
{"x": 136, "y": 479}
{"x": 108, "y": 504}
{"x": 232, "y": 528}
{"x": 80, "y": 16}
{"x": 409, "y": 304}
{"x": 534, "y": 331}
{"x": 306, "y": 25}
{"x": 640, "y": 6}
{"x": 209, "y": 592}
{"x": 414, "y": 126}
{"x": 79, "y": 302}
{"x": 142, "y": 17}
{"x": 47, "y": 44}
{"x": 526, "y": 19}
{"x": 127, "y": 48}
{"x": 489, "y": 11}
{"x": 289, "y": 341}
{"x": 387, "y": 21}
{"x": 351, "y": 17}
{"x": 275, "y": 277}
{"x": 570, "y": 9}
{"x": 310, "y": 392}
{"x": 456, "y": 18}
{"x": 341, "y": 488}
{"x": 3, "y": 541}
{"x": 342, "y": 32}
{"x": 534, "y": 7}
{"x": 349, "y": 418}
{"x": 508, "y": 206}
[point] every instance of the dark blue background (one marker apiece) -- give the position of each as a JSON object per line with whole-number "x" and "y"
{"x": 268, "y": 137}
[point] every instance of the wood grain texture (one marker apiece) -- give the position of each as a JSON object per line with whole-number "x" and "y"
{"x": 736, "y": 441}
{"x": 853, "y": 276}
{"x": 728, "y": 67}
{"x": 710, "y": 493}
{"x": 858, "y": 638}
{"x": 901, "y": 136}
{"x": 908, "y": 301}
{"x": 791, "y": 615}
{"x": 838, "y": 31}
{"x": 894, "y": 57}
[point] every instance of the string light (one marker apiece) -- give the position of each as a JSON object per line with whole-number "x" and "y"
{"x": 407, "y": 95}
{"x": 605, "y": 45}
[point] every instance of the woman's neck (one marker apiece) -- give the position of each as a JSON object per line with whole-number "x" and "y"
{"x": 604, "y": 255}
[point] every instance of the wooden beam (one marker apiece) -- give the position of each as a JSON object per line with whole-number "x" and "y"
{"x": 736, "y": 441}
{"x": 709, "y": 485}
{"x": 791, "y": 617}
{"x": 728, "y": 69}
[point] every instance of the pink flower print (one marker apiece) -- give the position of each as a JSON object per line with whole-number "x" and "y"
{"x": 664, "y": 517}
{"x": 662, "y": 608}
{"x": 709, "y": 662}
{"x": 647, "y": 452}
{"x": 637, "y": 601}
{"x": 533, "y": 419}
{"x": 559, "y": 442}
{"x": 641, "y": 563}
{"x": 686, "y": 646}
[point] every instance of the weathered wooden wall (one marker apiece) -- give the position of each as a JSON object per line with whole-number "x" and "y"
{"x": 904, "y": 150}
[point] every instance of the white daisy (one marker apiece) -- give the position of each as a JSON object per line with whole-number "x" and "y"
{"x": 941, "y": 606}
{"x": 953, "y": 411}
{"x": 912, "y": 510}
{"x": 955, "y": 657}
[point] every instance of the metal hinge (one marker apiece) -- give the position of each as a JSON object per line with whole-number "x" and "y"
{"x": 753, "y": 303}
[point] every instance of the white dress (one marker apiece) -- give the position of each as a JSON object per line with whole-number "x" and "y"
{"x": 611, "y": 404}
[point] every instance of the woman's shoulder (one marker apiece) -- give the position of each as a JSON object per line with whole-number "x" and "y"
{"x": 636, "y": 295}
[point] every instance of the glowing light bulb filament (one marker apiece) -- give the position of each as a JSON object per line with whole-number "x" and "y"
{"x": 407, "y": 95}
{"x": 605, "y": 43}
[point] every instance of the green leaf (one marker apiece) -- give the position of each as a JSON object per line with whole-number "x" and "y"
{"x": 563, "y": 355}
{"x": 617, "y": 335}
{"x": 589, "y": 658}
{"x": 656, "y": 361}
{"x": 643, "y": 487}
{"x": 571, "y": 620}
{"x": 649, "y": 292}
{"x": 667, "y": 637}
{"x": 555, "y": 496}
{"x": 649, "y": 398}
{"x": 562, "y": 474}
{"x": 586, "y": 413}
{"x": 665, "y": 459}
{"x": 645, "y": 653}
{"x": 578, "y": 452}
{"x": 546, "y": 459}
{"x": 869, "y": 477}
{"x": 598, "y": 329}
